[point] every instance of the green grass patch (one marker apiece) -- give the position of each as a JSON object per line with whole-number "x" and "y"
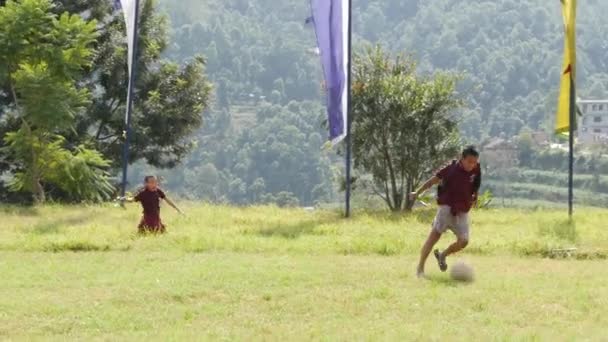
{"x": 294, "y": 231}
{"x": 264, "y": 273}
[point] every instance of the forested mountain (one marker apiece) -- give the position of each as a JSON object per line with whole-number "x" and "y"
{"x": 261, "y": 58}
{"x": 509, "y": 50}
{"x": 263, "y": 128}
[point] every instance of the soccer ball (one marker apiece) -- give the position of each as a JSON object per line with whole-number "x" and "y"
{"x": 461, "y": 271}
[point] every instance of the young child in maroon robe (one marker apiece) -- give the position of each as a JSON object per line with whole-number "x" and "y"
{"x": 149, "y": 197}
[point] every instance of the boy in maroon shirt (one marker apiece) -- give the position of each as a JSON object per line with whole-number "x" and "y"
{"x": 457, "y": 193}
{"x": 149, "y": 197}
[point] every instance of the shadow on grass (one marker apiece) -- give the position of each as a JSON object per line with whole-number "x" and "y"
{"x": 27, "y": 211}
{"x": 386, "y": 215}
{"x": 306, "y": 227}
{"x": 75, "y": 246}
{"x": 53, "y": 226}
{"x": 445, "y": 280}
{"x": 423, "y": 215}
{"x": 295, "y": 230}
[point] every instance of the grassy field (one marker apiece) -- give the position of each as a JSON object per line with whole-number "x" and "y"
{"x": 222, "y": 273}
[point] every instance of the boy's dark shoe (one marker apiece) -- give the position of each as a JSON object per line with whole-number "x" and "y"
{"x": 443, "y": 266}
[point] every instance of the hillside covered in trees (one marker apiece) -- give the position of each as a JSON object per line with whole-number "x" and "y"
{"x": 260, "y": 56}
{"x": 263, "y": 125}
{"x": 509, "y": 51}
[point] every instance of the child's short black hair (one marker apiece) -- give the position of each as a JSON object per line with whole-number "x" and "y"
{"x": 470, "y": 151}
{"x": 147, "y": 178}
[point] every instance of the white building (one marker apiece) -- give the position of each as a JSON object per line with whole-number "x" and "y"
{"x": 593, "y": 127}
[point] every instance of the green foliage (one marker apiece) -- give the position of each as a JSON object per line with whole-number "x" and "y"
{"x": 508, "y": 50}
{"x": 278, "y": 159}
{"x": 173, "y": 110}
{"x": 484, "y": 200}
{"x": 80, "y": 174}
{"x": 286, "y": 199}
{"x": 44, "y": 54}
{"x": 260, "y": 57}
{"x": 525, "y": 148}
{"x": 402, "y": 128}
{"x": 47, "y": 100}
{"x": 169, "y": 101}
{"x": 551, "y": 193}
{"x": 562, "y": 229}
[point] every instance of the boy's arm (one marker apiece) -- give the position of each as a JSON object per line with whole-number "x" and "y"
{"x": 126, "y": 199}
{"x": 443, "y": 173}
{"x": 427, "y": 185}
{"x": 169, "y": 202}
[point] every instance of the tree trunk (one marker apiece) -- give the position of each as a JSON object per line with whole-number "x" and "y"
{"x": 38, "y": 192}
{"x": 409, "y": 204}
{"x": 397, "y": 200}
{"x": 397, "y": 197}
{"x": 37, "y": 188}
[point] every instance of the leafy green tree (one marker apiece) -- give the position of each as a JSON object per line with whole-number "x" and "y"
{"x": 169, "y": 99}
{"x": 525, "y": 148}
{"x": 256, "y": 190}
{"x": 44, "y": 54}
{"x": 286, "y": 199}
{"x": 402, "y": 127}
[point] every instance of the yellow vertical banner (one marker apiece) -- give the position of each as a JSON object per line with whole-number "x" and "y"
{"x": 568, "y": 76}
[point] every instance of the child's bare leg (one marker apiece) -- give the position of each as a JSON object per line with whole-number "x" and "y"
{"x": 434, "y": 236}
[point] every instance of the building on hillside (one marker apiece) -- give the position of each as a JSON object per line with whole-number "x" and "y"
{"x": 540, "y": 138}
{"x": 499, "y": 154}
{"x": 593, "y": 127}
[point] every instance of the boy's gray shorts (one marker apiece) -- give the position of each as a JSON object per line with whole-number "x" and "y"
{"x": 457, "y": 224}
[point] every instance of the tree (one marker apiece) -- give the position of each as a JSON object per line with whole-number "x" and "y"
{"x": 509, "y": 52}
{"x": 402, "y": 126}
{"x": 44, "y": 54}
{"x": 286, "y": 199}
{"x": 169, "y": 99}
{"x": 525, "y": 147}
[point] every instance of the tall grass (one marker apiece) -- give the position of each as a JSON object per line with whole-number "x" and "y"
{"x": 294, "y": 231}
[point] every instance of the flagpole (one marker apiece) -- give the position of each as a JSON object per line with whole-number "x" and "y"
{"x": 349, "y": 112}
{"x": 127, "y": 133}
{"x": 571, "y": 147}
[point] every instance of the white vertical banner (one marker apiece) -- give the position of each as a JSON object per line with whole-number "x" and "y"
{"x": 128, "y": 10}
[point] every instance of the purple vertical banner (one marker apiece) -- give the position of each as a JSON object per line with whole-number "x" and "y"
{"x": 331, "y": 22}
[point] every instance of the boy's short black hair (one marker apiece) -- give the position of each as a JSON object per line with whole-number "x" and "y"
{"x": 470, "y": 151}
{"x": 147, "y": 178}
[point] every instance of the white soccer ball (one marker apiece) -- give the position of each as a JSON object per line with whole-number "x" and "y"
{"x": 461, "y": 271}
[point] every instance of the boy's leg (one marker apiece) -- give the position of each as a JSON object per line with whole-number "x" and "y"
{"x": 440, "y": 224}
{"x": 434, "y": 236}
{"x": 456, "y": 247}
{"x": 461, "y": 229}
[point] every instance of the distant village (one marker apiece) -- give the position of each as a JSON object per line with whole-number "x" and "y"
{"x": 592, "y": 131}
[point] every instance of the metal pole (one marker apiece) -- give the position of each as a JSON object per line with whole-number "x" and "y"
{"x": 349, "y": 112}
{"x": 571, "y": 147}
{"x": 125, "y": 152}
